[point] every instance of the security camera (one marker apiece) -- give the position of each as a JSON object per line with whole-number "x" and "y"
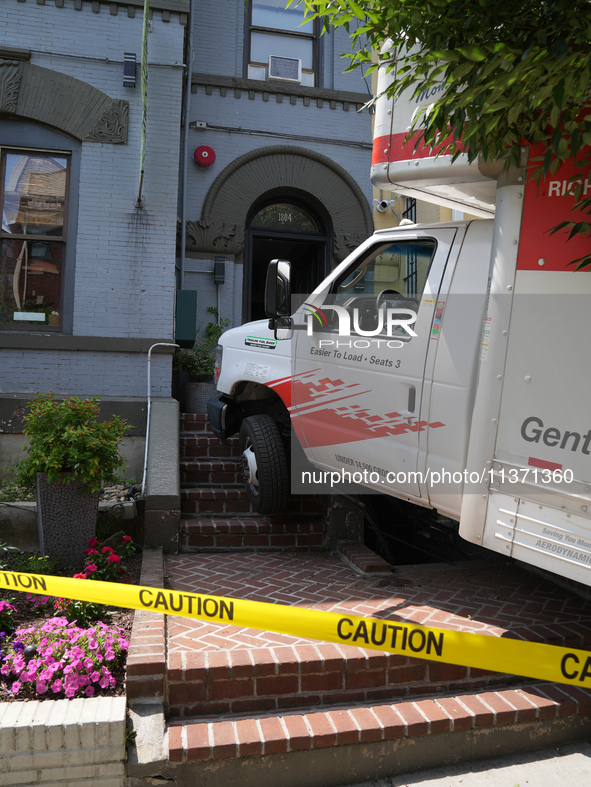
{"x": 381, "y": 205}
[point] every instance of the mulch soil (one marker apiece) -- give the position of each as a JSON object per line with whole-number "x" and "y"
{"x": 23, "y": 618}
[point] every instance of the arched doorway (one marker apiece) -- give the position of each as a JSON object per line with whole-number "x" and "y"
{"x": 288, "y": 227}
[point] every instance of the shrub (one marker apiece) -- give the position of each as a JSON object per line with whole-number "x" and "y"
{"x": 106, "y": 564}
{"x": 67, "y": 437}
{"x": 63, "y": 659}
{"x": 198, "y": 363}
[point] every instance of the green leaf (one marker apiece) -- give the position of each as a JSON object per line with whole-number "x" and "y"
{"x": 559, "y": 94}
{"x": 475, "y": 53}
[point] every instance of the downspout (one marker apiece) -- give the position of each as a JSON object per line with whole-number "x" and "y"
{"x": 185, "y": 148}
{"x": 158, "y": 344}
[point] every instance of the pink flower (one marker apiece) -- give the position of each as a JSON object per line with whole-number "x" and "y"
{"x": 90, "y": 568}
{"x": 127, "y": 539}
{"x": 57, "y": 686}
{"x": 113, "y": 558}
{"x": 79, "y": 576}
{"x": 107, "y": 549}
{"x": 93, "y": 542}
{"x": 16, "y": 687}
{"x": 70, "y": 692}
{"x": 96, "y": 676}
{"x": 89, "y": 691}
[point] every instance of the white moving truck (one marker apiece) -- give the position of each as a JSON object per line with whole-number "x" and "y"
{"x": 446, "y": 364}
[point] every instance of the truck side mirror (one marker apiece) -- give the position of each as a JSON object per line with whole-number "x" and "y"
{"x": 278, "y": 289}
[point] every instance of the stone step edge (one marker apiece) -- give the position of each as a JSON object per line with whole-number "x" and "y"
{"x": 264, "y": 734}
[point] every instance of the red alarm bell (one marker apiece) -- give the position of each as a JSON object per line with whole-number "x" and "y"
{"x": 204, "y": 156}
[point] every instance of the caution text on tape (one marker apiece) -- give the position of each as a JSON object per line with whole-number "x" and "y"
{"x": 499, "y": 654}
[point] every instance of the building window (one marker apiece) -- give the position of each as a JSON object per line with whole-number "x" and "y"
{"x": 278, "y": 31}
{"x": 34, "y": 200}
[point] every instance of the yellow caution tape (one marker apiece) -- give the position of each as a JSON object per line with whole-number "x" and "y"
{"x": 529, "y": 659}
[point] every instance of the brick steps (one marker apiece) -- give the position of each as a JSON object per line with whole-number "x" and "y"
{"x": 212, "y": 472}
{"x": 258, "y": 680}
{"x": 218, "y": 534}
{"x": 234, "y": 501}
{"x": 206, "y": 447}
{"x": 423, "y": 720}
{"x": 287, "y": 710}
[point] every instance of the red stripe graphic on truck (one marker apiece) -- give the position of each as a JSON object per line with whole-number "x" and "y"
{"x": 397, "y": 148}
{"x": 319, "y": 406}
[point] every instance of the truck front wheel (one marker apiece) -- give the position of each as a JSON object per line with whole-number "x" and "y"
{"x": 265, "y": 468}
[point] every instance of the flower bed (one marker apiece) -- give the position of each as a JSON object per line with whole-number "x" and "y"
{"x": 52, "y": 648}
{"x": 62, "y": 659}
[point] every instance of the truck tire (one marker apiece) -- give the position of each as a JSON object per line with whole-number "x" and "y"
{"x": 265, "y": 467}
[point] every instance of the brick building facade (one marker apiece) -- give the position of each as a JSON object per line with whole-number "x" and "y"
{"x": 291, "y": 155}
{"x": 87, "y": 282}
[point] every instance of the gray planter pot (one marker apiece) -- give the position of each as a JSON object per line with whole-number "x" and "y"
{"x": 195, "y": 396}
{"x": 66, "y": 519}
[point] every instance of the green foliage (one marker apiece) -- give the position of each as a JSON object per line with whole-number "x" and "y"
{"x": 6, "y": 614}
{"x": 198, "y": 363}
{"x": 34, "y": 564}
{"x": 67, "y": 437}
{"x": 81, "y": 612}
{"x": 11, "y": 492}
{"x": 513, "y": 72}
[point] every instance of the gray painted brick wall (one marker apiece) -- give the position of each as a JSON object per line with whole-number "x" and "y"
{"x": 125, "y": 257}
{"x": 83, "y": 373}
{"x": 324, "y": 123}
{"x": 219, "y": 40}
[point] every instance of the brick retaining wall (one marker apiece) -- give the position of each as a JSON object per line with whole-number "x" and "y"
{"x": 79, "y": 741}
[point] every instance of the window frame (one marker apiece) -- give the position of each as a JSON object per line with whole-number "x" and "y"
{"x": 31, "y": 138}
{"x": 250, "y": 28}
{"x": 28, "y": 238}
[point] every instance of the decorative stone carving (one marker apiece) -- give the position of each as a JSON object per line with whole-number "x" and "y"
{"x": 345, "y": 243}
{"x": 10, "y": 82}
{"x": 112, "y": 125}
{"x": 215, "y": 236}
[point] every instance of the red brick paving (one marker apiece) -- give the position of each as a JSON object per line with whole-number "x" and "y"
{"x": 482, "y": 596}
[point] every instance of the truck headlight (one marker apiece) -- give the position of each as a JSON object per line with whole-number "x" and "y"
{"x": 219, "y": 351}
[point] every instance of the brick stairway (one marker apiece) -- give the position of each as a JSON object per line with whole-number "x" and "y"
{"x": 241, "y": 703}
{"x": 216, "y": 512}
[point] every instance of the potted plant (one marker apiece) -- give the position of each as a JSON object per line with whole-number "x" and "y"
{"x": 198, "y": 364}
{"x": 70, "y": 454}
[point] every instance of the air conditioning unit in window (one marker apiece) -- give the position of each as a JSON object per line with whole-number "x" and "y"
{"x": 286, "y": 69}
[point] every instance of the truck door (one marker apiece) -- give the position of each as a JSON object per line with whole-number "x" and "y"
{"x": 357, "y": 394}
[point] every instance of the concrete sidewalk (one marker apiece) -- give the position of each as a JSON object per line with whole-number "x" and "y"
{"x": 553, "y": 767}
